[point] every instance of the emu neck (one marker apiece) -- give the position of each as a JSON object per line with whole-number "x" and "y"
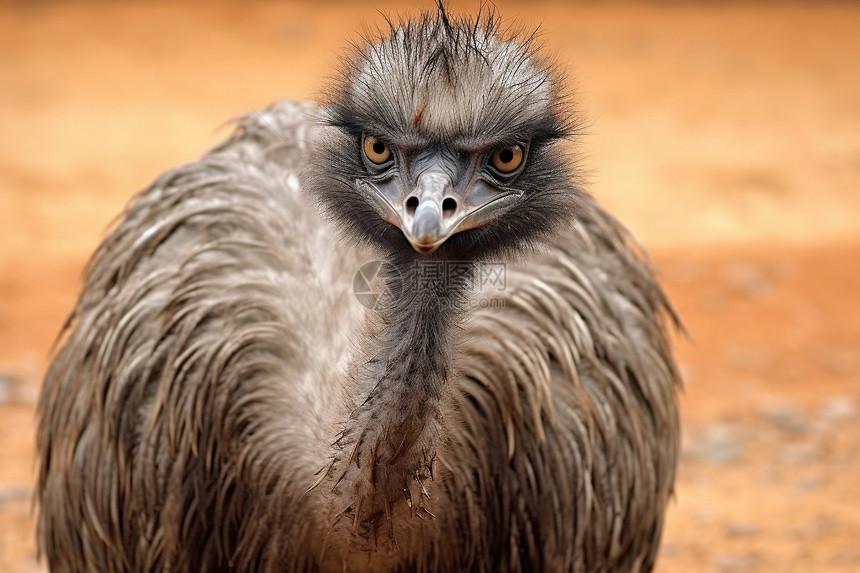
{"x": 411, "y": 368}
{"x": 389, "y": 442}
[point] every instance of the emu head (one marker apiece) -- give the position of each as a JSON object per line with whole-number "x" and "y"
{"x": 443, "y": 138}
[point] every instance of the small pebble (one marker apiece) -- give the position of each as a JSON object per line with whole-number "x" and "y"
{"x": 30, "y": 564}
{"x": 838, "y": 362}
{"x": 747, "y": 562}
{"x": 798, "y": 453}
{"x": 669, "y": 550}
{"x": 810, "y": 484}
{"x": 818, "y": 528}
{"x": 838, "y": 409}
{"x": 787, "y": 419}
{"x": 687, "y": 373}
{"x": 705, "y": 516}
{"x": 27, "y": 394}
{"x": 740, "y": 529}
{"x": 845, "y": 557}
{"x": 748, "y": 280}
{"x": 14, "y": 492}
{"x": 748, "y": 359}
{"x": 7, "y": 384}
{"x": 720, "y": 444}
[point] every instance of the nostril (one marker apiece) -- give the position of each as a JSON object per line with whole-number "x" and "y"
{"x": 411, "y": 205}
{"x": 449, "y": 205}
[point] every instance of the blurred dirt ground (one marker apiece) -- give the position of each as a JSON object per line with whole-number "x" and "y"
{"x": 726, "y": 135}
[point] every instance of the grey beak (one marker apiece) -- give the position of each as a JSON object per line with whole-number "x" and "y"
{"x": 422, "y": 220}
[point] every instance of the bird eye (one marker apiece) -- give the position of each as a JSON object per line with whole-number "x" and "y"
{"x": 507, "y": 158}
{"x": 375, "y": 150}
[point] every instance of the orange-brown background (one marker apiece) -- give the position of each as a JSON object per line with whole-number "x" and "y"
{"x": 726, "y": 135}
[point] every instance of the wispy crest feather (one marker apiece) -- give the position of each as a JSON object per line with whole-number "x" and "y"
{"x": 444, "y": 77}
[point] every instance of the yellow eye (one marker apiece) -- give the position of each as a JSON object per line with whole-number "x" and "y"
{"x": 507, "y": 158}
{"x": 376, "y": 151}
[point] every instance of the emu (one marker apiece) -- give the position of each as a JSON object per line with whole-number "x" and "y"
{"x": 221, "y": 401}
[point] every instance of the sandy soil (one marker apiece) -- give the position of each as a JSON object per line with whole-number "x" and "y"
{"x": 726, "y": 135}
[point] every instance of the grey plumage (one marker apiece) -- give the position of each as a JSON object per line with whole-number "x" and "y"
{"x": 222, "y": 402}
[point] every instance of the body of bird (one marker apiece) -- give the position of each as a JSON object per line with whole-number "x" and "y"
{"x": 222, "y": 402}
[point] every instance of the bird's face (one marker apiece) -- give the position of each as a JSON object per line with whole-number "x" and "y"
{"x": 432, "y": 190}
{"x": 443, "y": 140}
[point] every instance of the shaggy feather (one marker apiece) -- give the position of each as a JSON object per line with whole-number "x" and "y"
{"x": 221, "y": 401}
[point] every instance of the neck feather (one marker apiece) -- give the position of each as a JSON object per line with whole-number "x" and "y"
{"x": 389, "y": 442}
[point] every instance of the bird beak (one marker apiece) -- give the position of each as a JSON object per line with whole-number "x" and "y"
{"x": 435, "y": 209}
{"x": 424, "y": 217}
